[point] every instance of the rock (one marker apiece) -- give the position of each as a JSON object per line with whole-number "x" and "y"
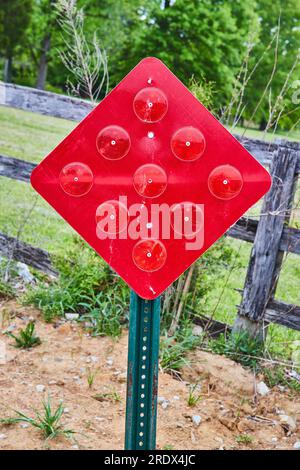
{"x": 109, "y": 361}
{"x": 160, "y": 400}
{"x": 3, "y": 436}
{"x": 52, "y": 382}
{"x": 75, "y": 446}
{"x": 94, "y": 359}
{"x": 24, "y": 273}
{"x": 66, "y": 410}
{"x": 197, "y": 330}
{"x": 274, "y": 439}
{"x": 40, "y": 388}
{"x": 72, "y": 316}
{"x": 297, "y": 445}
{"x": 176, "y": 397}
{"x": 288, "y": 423}
{"x": 165, "y": 405}
{"x": 64, "y": 329}
{"x": 99, "y": 418}
{"x": 24, "y": 425}
{"x": 262, "y": 389}
{"x": 10, "y": 328}
{"x": 196, "y": 419}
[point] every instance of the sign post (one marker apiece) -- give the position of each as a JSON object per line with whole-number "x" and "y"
{"x": 142, "y": 373}
{"x": 150, "y": 179}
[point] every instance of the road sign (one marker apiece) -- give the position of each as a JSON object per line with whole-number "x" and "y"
{"x": 150, "y": 179}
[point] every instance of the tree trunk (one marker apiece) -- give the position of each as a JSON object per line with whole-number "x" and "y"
{"x": 43, "y": 63}
{"x": 8, "y": 69}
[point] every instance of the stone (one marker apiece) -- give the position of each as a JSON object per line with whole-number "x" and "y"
{"x": 24, "y": 273}
{"x": 165, "y": 405}
{"x": 262, "y": 389}
{"x": 40, "y": 388}
{"x": 72, "y": 316}
{"x": 3, "y": 436}
{"x": 197, "y": 330}
{"x": 196, "y": 419}
{"x": 288, "y": 423}
{"x": 297, "y": 445}
{"x": 24, "y": 425}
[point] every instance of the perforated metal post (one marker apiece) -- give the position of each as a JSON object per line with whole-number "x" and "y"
{"x": 142, "y": 373}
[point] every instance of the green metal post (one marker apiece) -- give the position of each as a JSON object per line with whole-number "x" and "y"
{"x": 142, "y": 373}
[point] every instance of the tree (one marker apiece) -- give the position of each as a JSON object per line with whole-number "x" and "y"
{"x": 15, "y": 18}
{"x": 200, "y": 37}
{"x": 280, "y": 25}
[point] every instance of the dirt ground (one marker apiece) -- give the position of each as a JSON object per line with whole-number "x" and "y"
{"x": 229, "y": 407}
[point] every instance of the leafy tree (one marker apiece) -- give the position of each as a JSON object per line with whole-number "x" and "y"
{"x": 280, "y": 25}
{"x": 199, "y": 37}
{"x": 15, "y": 18}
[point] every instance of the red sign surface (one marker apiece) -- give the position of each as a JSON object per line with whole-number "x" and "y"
{"x": 150, "y": 179}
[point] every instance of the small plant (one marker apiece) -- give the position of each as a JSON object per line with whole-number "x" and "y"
{"x": 278, "y": 375}
{"x": 48, "y": 422}
{"x": 91, "y": 375}
{"x": 240, "y": 347}
{"x": 244, "y": 439}
{"x": 6, "y": 291}
{"x": 168, "y": 447}
{"x": 108, "y": 396}
{"x": 27, "y": 338}
{"x": 193, "y": 397}
{"x": 173, "y": 349}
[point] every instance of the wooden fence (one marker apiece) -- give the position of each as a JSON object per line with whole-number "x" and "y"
{"x": 271, "y": 235}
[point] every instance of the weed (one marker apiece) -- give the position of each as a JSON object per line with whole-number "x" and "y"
{"x": 27, "y": 338}
{"x": 168, "y": 447}
{"x": 240, "y": 347}
{"x": 244, "y": 439}
{"x": 108, "y": 396}
{"x": 91, "y": 375}
{"x": 173, "y": 349}
{"x": 6, "y": 291}
{"x": 85, "y": 286}
{"x": 277, "y": 375}
{"x": 48, "y": 422}
{"x": 193, "y": 397}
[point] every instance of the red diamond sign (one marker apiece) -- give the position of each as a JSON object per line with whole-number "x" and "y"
{"x": 150, "y": 179}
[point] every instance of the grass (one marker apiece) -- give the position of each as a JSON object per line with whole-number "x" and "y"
{"x": 113, "y": 396}
{"x": 27, "y": 338}
{"x": 48, "y": 421}
{"x": 245, "y": 439}
{"x": 193, "y": 397}
{"x": 30, "y": 137}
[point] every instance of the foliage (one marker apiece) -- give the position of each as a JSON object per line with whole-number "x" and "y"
{"x": 196, "y": 38}
{"x": 27, "y": 338}
{"x": 244, "y": 439}
{"x": 85, "y": 61}
{"x": 108, "y": 396}
{"x": 173, "y": 349}
{"x": 14, "y": 19}
{"x": 6, "y": 290}
{"x": 278, "y": 375}
{"x": 194, "y": 397}
{"x": 240, "y": 347}
{"x": 49, "y": 423}
{"x": 87, "y": 286}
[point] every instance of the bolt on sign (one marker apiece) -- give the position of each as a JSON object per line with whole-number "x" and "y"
{"x": 150, "y": 179}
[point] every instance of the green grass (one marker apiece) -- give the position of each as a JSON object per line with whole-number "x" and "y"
{"x": 48, "y": 421}
{"x": 30, "y": 136}
{"x": 26, "y": 338}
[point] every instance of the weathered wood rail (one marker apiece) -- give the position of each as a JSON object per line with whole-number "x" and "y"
{"x": 270, "y": 234}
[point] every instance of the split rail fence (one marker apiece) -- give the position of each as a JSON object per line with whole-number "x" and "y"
{"x": 271, "y": 234}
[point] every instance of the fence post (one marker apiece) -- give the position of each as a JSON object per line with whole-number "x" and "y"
{"x": 266, "y": 259}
